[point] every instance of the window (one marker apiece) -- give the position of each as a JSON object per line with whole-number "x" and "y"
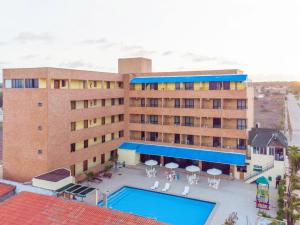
{"x": 85, "y": 123}
{"x": 112, "y": 119}
{"x": 108, "y": 85}
{"x": 86, "y": 143}
{"x": 215, "y": 85}
{"x": 217, "y": 123}
{"x": 177, "y": 138}
{"x": 103, "y": 138}
{"x": 103, "y": 102}
{"x": 216, "y": 103}
{"x": 73, "y": 126}
{"x": 226, "y": 85}
{"x": 255, "y": 150}
{"x": 112, "y": 101}
{"x": 63, "y": 83}
{"x": 73, "y": 147}
{"x": 177, "y": 120}
{"x": 112, "y": 136}
{"x": 241, "y": 144}
{"x": 86, "y": 104}
{"x": 153, "y": 102}
{"x": 272, "y": 151}
{"x": 153, "y": 119}
{"x": 31, "y": 83}
{"x": 56, "y": 84}
{"x": 120, "y": 84}
{"x": 73, "y": 105}
{"x": 72, "y": 168}
{"x": 121, "y": 133}
{"x": 142, "y": 118}
{"x": 121, "y": 117}
{"x": 40, "y": 152}
{"x": 95, "y": 101}
{"x": 142, "y": 135}
{"x": 241, "y": 104}
{"x": 177, "y": 103}
{"x": 95, "y": 83}
{"x": 103, "y": 120}
{"x": 40, "y": 127}
{"x": 142, "y": 102}
{"x": 8, "y": 84}
{"x": 95, "y": 121}
{"x": 17, "y": 83}
{"x": 154, "y": 86}
{"x": 113, "y": 154}
{"x": 188, "y": 86}
{"x": 94, "y": 159}
{"x": 189, "y": 103}
{"x": 143, "y": 87}
{"x": 241, "y": 124}
{"x": 216, "y": 142}
{"x": 242, "y": 169}
{"x": 85, "y": 165}
{"x": 190, "y": 139}
{"x": 153, "y": 136}
{"x": 40, "y": 104}
{"x": 262, "y": 150}
{"x": 102, "y": 158}
{"x": 95, "y": 139}
{"x": 189, "y": 121}
{"x": 121, "y": 101}
{"x": 177, "y": 86}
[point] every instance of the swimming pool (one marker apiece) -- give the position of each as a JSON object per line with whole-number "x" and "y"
{"x": 166, "y": 208}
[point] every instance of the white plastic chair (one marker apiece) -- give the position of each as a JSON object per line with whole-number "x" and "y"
{"x": 155, "y": 185}
{"x": 186, "y": 190}
{"x": 166, "y": 188}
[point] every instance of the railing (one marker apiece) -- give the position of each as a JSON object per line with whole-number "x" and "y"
{"x": 265, "y": 168}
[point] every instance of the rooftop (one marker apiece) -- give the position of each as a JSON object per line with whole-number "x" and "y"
{"x": 30, "y": 209}
{"x": 55, "y": 175}
{"x": 262, "y": 137}
{"x": 5, "y": 189}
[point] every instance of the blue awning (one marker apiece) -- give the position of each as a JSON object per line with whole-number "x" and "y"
{"x": 176, "y": 79}
{"x": 187, "y": 153}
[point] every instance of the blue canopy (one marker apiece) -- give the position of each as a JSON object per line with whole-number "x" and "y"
{"x": 187, "y": 153}
{"x": 176, "y": 79}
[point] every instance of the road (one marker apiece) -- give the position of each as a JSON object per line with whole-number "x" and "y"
{"x": 294, "y": 114}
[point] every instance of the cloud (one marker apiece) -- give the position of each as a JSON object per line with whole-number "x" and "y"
{"x": 165, "y": 53}
{"x": 94, "y": 41}
{"x": 76, "y": 64}
{"x": 127, "y": 48}
{"x": 32, "y": 37}
{"x": 204, "y": 58}
{"x": 143, "y": 53}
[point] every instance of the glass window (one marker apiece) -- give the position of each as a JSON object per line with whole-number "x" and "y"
{"x": 189, "y": 121}
{"x": 216, "y": 103}
{"x": 73, "y": 147}
{"x": 121, "y": 133}
{"x": 177, "y": 138}
{"x": 226, "y": 85}
{"x": 177, "y": 103}
{"x": 190, "y": 139}
{"x": 8, "y": 84}
{"x": 153, "y": 102}
{"x": 189, "y": 86}
{"x": 241, "y": 104}
{"x": 177, "y": 120}
{"x": 177, "y": 86}
{"x": 31, "y": 83}
{"x": 255, "y": 150}
{"x": 215, "y": 85}
{"x": 85, "y": 165}
{"x": 241, "y": 124}
{"x": 153, "y": 119}
{"x": 154, "y": 86}
{"x": 189, "y": 103}
{"x": 17, "y": 83}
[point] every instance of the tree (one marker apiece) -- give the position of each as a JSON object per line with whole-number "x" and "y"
{"x": 231, "y": 219}
{"x": 294, "y": 155}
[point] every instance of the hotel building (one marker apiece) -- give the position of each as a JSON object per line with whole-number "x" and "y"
{"x": 77, "y": 119}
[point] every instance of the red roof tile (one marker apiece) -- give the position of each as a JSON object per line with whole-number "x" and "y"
{"x": 5, "y": 189}
{"x": 29, "y": 208}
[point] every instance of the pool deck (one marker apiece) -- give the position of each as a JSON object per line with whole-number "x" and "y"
{"x": 232, "y": 195}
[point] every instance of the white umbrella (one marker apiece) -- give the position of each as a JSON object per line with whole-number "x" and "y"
{"x": 151, "y": 162}
{"x": 171, "y": 165}
{"x": 214, "y": 172}
{"x": 192, "y": 169}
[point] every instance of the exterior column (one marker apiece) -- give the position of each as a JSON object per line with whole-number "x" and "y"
{"x": 162, "y": 160}
{"x": 232, "y": 171}
{"x": 200, "y": 164}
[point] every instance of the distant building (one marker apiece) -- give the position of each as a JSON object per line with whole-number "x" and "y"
{"x": 268, "y": 154}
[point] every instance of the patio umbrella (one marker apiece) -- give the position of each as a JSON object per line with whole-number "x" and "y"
{"x": 171, "y": 165}
{"x": 214, "y": 172}
{"x": 151, "y": 162}
{"x": 192, "y": 169}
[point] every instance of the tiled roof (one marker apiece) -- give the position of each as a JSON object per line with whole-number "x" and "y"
{"x": 29, "y": 208}
{"x": 261, "y": 137}
{"x": 5, "y": 189}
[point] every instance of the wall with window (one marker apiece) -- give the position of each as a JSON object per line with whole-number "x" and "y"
{"x": 25, "y": 83}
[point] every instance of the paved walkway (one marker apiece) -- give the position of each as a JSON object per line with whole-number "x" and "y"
{"x": 232, "y": 196}
{"x": 294, "y": 114}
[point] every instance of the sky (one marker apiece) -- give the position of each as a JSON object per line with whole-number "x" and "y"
{"x": 260, "y": 37}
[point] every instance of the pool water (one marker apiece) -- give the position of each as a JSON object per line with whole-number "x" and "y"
{"x": 166, "y": 208}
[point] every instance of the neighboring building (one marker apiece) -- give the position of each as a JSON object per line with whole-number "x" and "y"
{"x": 55, "y": 118}
{"x": 6, "y": 191}
{"x": 268, "y": 154}
{"x": 31, "y": 208}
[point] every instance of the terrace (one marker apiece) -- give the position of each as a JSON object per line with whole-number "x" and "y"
{"x": 232, "y": 195}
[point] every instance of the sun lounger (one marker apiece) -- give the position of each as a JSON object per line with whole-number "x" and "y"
{"x": 166, "y": 188}
{"x": 186, "y": 190}
{"x": 155, "y": 185}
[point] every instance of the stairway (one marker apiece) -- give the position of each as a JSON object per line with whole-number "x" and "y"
{"x": 256, "y": 174}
